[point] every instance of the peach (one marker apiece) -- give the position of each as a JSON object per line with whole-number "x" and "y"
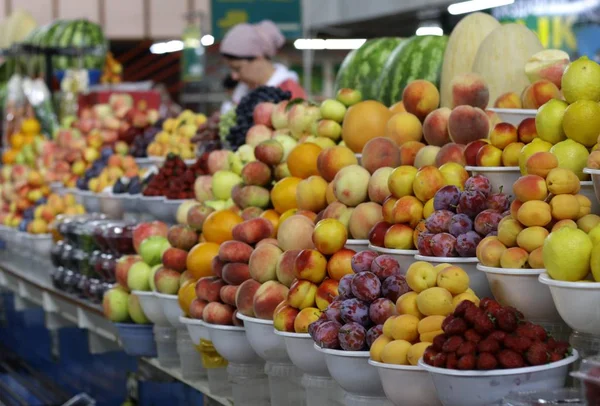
{"x": 263, "y": 263}
{"x": 244, "y": 297}
{"x": 378, "y": 188}
{"x": 493, "y": 117}
{"x": 197, "y": 308}
{"x": 489, "y": 251}
{"x": 377, "y": 233}
{"x": 257, "y": 134}
{"x": 217, "y": 267}
{"x": 409, "y": 151}
{"x": 267, "y": 297}
{"x": 285, "y": 267}
{"x": 284, "y": 317}
{"x": 541, "y": 163}
{"x": 428, "y": 180}
{"x": 539, "y": 93}
{"x": 310, "y": 265}
{"x": 536, "y": 258}
{"x": 380, "y": 152}
{"x": 235, "y": 273}
{"x": 235, "y": 251}
{"x": 310, "y": 194}
{"x": 548, "y": 64}
{"x": 514, "y": 208}
{"x": 340, "y": 264}
{"x": 175, "y": 259}
{"x": 387, "y": 209}
{"x": 330, "y": 235}
{"x": 468, "y": 124}
{"x": 295, "y": 233}
{"x": 186, "y": 277}
{"x": 282, "y": 171}
{"x": 302, "y": 294}
{"x": 332, "y": 159}
{"x": 305, "y": 318}
{"x": 451, "y": 152}
{"x": 351, "y": 184}
{"x": 565, "y": 207}
{"x": 509, "y": 100}
{"x": 269, "y": 152}
{"x": 420, "y": 97}
{"x": 329, "y": 195}
{"x": 256, "y": 173}
{"x": 251, "y": 196}
{"x": 454, "y": 174}
{"x": 514, "y": 258}
{"x": 250, "y": 213}
{"x": 426, "y": 156}
{"x": 527, "y": 130}
{"x": 472, "y": 149}
{"x": 535, "y": 213}
{"x": 326, "y": 293}
{"x": 503, "y": 134}
{"x": 362, "y": 219}
{"x": 252, "y": 231}
{"x": 208, "y": 288}
{"x": 404, "y": 127}
{"x": 167, "y": 280}
{"x": 469, "y": 89}
{"x": 399, "y": 236}
{"x": 271, "y": 241}
{"x": 227, "y": 294}
{"x": 408, "y": 209}
{"x": 218, "y": 313}
{"x": 530, "y": 187}
{"x": 510, "y": 154}
{"x": 508, "y": 230}
{"x": 532, "y": 238}
{"x": 435, "y": 127}
{"x": 196, "y": 216}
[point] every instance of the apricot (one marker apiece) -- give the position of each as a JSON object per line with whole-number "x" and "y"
{"x": 514, "y": 258}
{"x": 536, "y": 258}
{"x": 562, "y": 181}
{"x": 404, "y": 127}
{"x": 541, "y": 163}
{"x": 409, "y": 151}
{"x": 508, "y": 230}
{"x": 535, "y": 213}
{"x": 510, "y": 154}
{"x": 532, "y": 238}
{"x": 408, "y": 209}
{"x": 565, "y": 207}
{"x": 489, "y": 251}
{"x": 530, "y": 187}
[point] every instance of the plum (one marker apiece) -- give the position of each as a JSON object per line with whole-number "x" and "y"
{"x": 326, "y": 335}
{"x": 345, "y": 286}
{"x": 366, "y": 286}
{"x": 487, "y": 221}
{"x": 479, "y": 183}
{"x": 443, "y": 245}
{"x": 466, "y": 244}
{"x": 439, "y": 221}
{"x": 381, "y": 310}
{"x": 361, "y": 261}
{"x": 352, "y": 337}
{"x": 354, "y": 310}
{"x": 373, "y": 334}
{"x": 394, "y": 287}
{"x": 384, "y": 266}
{"x": 460, "y": 224}
{"x": 446, "y": 198}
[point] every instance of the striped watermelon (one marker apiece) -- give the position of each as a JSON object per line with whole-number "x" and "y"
{"x": 416, "y": 58}
{"x": 362, "y": 67}
{"x": 77, "y": 33}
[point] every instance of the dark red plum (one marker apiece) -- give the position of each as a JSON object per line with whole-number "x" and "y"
{"x": 366, "y": 286}
{"x": 466, "y": 244}
{"x": 352, "y": 337}
{"x": 345, "y": 286}
{"x": 381, "y": 310}
{"x": 460, "y": 224}
{"x": 479, "y": 183}
{"x": 472, "y": 203}
{"x": 443, "y": 245}
{"x": 394, "y": 287}
{"x": 326, "y": 335}
{"x": 373, "y": 334}
{"x": 487, "y": 221}
{"x": 424, "y": 244}
{"x": 439, "y": 221}
{"x": 333, "y": 311}
{"x": 354, "y": 310}
{"x": 384, "y": 266}
{"x": 361, "y": 261}
{"x": 498, "y": 201}
{"x": 446, "y": 198}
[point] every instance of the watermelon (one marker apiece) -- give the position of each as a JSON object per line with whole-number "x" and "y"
{"x": 361, "y": 68}
{"x": 417, "y": 58}
{"x": 77, "y": 33}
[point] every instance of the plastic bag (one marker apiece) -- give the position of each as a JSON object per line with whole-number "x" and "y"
{"x": 75, "y": 81}
{"x": 40, "y": 99}
{"x": 14, "y": 107}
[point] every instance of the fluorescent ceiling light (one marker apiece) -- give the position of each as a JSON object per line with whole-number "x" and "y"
{"x": 207, "y": 40}
{"x": 317, "y": 43}
{"x": 476, "y": 5}
{"x": 166, "y": 47}
{"x": 431, "y": 30}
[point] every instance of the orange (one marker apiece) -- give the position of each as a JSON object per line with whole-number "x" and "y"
{"x": 302, "y": 161}
{"x": 218, "y": 225}
{"x": 30, "y": 126}
{"x": 283, "y": 194}
{"x": 364, "y": 121}
{"x": 273, "y": 217}
{"x": 199, "y": 259}
{"x": 9, "y": 157}
{"x": 185, "y": 296}
{"x": 17, "y": 140}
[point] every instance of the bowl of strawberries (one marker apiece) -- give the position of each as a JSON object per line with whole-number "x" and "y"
{"x": 489, "y": 351}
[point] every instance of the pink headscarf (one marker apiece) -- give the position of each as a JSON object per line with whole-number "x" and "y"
{"x": 253, "y": 40}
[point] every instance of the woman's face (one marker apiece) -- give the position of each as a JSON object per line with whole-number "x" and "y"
{"x": 247, "y": 71}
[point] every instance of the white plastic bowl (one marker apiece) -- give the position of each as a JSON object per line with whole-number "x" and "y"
{"x": 500, "y": 176}
{"x": 233, "y": 345}
{"x": 170, "y": 305}
{"x": 406, "y": 384}
{"x": 514, "y": 116}
{"x": 152, "y": 205}
{"x": 477, "y": 279}
{"x": 577, "y": 303}
{"x": 144, "y": 163}
{"x": 589, "y": 191}
{"x": 261, "y": 335}
{"x": 477, "y": 388}
{"x": 404, "y": 257}
{"x": 521, "y": 289}
{"x": 42, "y": 244}
{"x": 131, "y": 203}
{"x": 196, "y": 329}
{"x": 113, "y": 205}
{"x": 170, "y": 209}
{"x": 357, "y": 245}
{"x": 91, "y": 201}
{"x": 351, "y": 370}
{"x": 152, "y": 307}
{"x": 301, "y": 350}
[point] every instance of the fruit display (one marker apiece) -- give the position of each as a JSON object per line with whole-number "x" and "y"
{"x": 175, "y": 179}
{"x": 176, "y": 136}
{"x": 24, "y": 143}
{"x": 490, "y": 336}
{"x": 112, "y": 71}
{"x": 106, "y": 171}
{"x": 546, "y": 202}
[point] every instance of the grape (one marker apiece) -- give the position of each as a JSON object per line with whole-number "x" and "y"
{"x": 381, "y": 310}
{"x": 466, "y": 244}
{"x": 443, "y": 245}
{"x": 345, "y": 286}
{"x": 373, "y": 334}
{"x": 326, "y": 335}
{"x": 394, "y": 287}
{"x": 424, "y": 243}
{"x": 446, "y": 198}
{"x": 352, "y": 337}
{"x": 439, "y": 221}
{"x": 361, "y": 261}
{"x": 384, "y": 266}
{"x": 366, "y": 286}
{"x": 498, "y": 201}
{"x": 333, "y": 311}
{"x": 487, "y": 221}
{"x": 478, "y": 183}
{"x": 226, "y": 122}
{"x": 472, "y": 203}
{"x": 460, "y": 224}
{"x": 355, "y": 310}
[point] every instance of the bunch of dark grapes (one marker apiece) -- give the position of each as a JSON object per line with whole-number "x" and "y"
{"x": 244, "y": 111}
{"x": 208, "y": 133}
{"x": 141, "y": 142}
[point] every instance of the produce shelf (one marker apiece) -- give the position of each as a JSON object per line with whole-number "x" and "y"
{"x": 64, "y": 309}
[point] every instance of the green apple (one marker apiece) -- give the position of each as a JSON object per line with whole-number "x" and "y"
{"x": 216, "y": 205}
{"x": 167, "y": 281}
{"x": 223, "y": 182}
{"x": 153, "y": 270}
{"x": 135, "y": 310}
{"x": 287, "y": 142}
{"x": 138, "y": 277}
{"x": 235, "y": 164}
{"x": 333, "y": 110}
{"x": 152, "y": 248}
{"x": 348, "y": 97}
{"x": 246, "y": 153}
{"x": 114, "y": 304}
{"x": 329, "y": 129}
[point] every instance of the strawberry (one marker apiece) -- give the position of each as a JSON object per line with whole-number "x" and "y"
{"x": 498, "y": 335}
{"x": 472, "y": 336}
{"x": 510, "y": 359}
{"x": 439, "y": 361}
{"x": 467, "y": 347}
{"x": 532, "y": 331}
{"x": 493, "y": 308}
{"x": 452, "y": 344}
{"x": 506, "y": 320}
{"x": 483, "y": 325}
{"x": 488, "y": 345}
{"x": 428, "y": 355}
{"x": 555, "y": 357}
{"x": 438, "y": 342}
{"x": 486, "y": 361}
{"x": 538, "y": 354}
{"x": 472, "y": 313}
{"x": 451, "y": 360}
{"x": 446, "y": 321}
{"x": 467, "y": 362}
{"x": 483, "y": 303}
{"x": 517, "y": 343}
{"x": 516, "y": 312}
{"x": 456, "y": 326}
{"x": 562, "y": 347}
{"x": 462, "y": 308}
{"x": 551, "y": 343}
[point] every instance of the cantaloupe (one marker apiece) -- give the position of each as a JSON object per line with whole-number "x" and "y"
{"x": 502, "y": 56}
{"x": 462, "y": 47}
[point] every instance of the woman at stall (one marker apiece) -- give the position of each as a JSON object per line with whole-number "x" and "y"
{"x": 248, "y": 50}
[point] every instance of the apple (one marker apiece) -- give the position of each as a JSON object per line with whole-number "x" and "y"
{"x": 223, "y": 182}
{"x": 138, "y": 277}
{"x": 153, "y": 271}
{"x": 328, "y": 129}
{"x": 152, "y": 249}
{"x": 148, "y": 229}
{"x": 333, "y": 110}
{"x": 114, "y": 304}
{"x": 122, "y": 268}
{"x": 167, "y": 281}
{"x": 135, "y": 310}
{"x": 348, "y": 97}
